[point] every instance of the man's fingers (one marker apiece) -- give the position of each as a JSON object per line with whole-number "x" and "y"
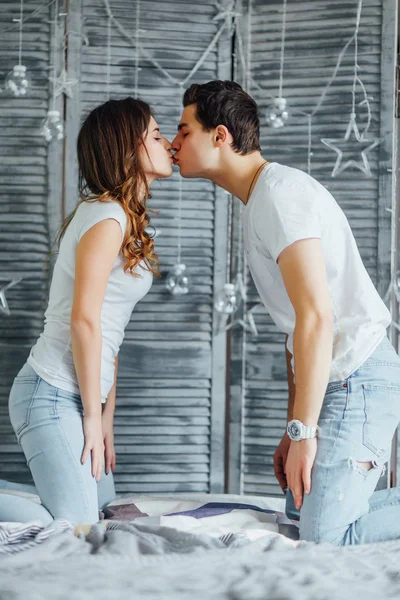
{"x": 297, "y": 491}
{"x": 307, "y": 479}
{"x": 279, "y": 472}
{"x": 295, "y": 483}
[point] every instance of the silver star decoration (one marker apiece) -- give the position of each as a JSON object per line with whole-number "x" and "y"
{"x": 349, "y": 146}
{"x": 4, "y": 308}
{"x": 62, "y": 85}
{"x": 246, "y": 321}
{"x": 227, "y": 13}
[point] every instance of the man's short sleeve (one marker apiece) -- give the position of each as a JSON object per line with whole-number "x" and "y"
{"x": 286, "y": 214}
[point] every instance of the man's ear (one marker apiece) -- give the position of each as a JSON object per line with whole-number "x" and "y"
{"x": 222, "y": 135}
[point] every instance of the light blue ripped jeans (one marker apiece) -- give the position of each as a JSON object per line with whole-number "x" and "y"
{"x": 358, "y": 419}
{"x": 48, "y": 424}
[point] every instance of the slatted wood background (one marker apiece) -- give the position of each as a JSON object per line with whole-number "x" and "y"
{"x": 316, "y": 32}
{"x": 24, "y": 239}
{"x": 169, "y": 422}
{"x": 170, "y": 419}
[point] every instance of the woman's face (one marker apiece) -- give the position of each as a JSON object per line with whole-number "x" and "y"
{"x": 156, "y": 154}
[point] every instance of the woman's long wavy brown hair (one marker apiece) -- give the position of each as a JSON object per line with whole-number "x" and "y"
{"x": 110, "y": 169}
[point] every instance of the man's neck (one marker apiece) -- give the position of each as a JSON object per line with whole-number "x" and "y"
{"x": 238, "y": 174}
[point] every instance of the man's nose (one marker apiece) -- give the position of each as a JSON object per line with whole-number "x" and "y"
{"x": 175, "y": 144}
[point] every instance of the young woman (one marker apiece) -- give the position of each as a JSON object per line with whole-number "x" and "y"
{"x": 62, "y": 401}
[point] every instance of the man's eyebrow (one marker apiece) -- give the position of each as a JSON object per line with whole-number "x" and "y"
{"x": 181, "y": 125}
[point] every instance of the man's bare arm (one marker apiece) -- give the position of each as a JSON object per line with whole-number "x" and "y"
{"x": 292, "y": 387}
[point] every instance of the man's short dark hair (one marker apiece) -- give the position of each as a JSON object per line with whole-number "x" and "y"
{"x": 226, "y": 103}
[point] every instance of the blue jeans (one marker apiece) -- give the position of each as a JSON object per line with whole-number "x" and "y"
{"x": 358, "y": 419}
{"x": 48, "y": 424}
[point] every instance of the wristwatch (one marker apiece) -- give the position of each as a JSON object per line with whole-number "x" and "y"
{"x": 297, "y": 431}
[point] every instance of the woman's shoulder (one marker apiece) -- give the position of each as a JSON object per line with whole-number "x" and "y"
{"x": 106, "y": 206}
{"x": 90, "y": 212}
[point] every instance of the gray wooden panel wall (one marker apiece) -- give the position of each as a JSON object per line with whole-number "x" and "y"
{"x": 24, "y": 233}
{"x": 316, "y": 33}
{"x": 169, "y": 420}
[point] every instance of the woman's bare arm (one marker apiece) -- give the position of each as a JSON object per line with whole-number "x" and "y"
{"x": 95, "y": 256}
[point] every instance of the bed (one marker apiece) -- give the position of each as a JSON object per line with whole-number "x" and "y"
{"x": 198, "y": 547}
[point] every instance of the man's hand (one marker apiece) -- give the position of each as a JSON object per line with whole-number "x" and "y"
{"x": 280, "y": 458}
{"x": 300, "y": 461}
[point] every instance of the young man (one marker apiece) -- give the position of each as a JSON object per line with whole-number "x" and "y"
{"x": 344, "y": 401}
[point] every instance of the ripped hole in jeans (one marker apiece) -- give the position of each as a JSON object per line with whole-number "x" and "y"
{"x": 364, "y": 467}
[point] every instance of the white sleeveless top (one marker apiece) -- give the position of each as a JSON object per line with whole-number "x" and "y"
{"x": 51, "y": 357}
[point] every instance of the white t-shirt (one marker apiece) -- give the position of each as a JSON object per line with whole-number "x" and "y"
{"x": 51, "y": 357}
{"x": 287, "y": 205}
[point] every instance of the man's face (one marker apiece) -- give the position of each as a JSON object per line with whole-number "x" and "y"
{"x": 196, "y": 154}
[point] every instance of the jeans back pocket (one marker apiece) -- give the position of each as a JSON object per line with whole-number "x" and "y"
{"x": 21, "y": 398}
{"x": 382, "y": 416}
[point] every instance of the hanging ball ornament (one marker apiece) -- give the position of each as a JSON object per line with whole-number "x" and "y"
{"x": 226, "y": 300}
{"x": 152, "y": 231}
{"x": 277, "y": 113}
{"x": 52, "y": 126}
{"x": 177, "y": 281}
{"x": 17, "y": 81}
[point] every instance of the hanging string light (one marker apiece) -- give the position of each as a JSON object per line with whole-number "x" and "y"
{"x": 354, "y": 145}
{"x": 361, "y": 164}
{"x": 17, "y": 81}
{"x": 177, "y": 281}
{"x": 52, "y": 126}
{"x": 277, "y": 113}
{"x": 108, "y": 61}
{"x": 138, "y": 31}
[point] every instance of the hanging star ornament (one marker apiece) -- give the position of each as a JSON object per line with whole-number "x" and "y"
{"x": 4, "y": 308}
{"x": 62, "y": 85}
{"x": 247, "y": 322}
{"x": 351, "y": 145}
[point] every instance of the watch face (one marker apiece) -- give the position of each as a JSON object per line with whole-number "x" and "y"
{"x": 294, "y": 430}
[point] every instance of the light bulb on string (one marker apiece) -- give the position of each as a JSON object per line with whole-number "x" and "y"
{"x": 277, "y": 113}
{"x": 52, "y": 126}
{"x": 152, "y": 231}
{"x": 17, "y": 81}
{"x": 177, "y": 282}
{"x": 226, "y": 301}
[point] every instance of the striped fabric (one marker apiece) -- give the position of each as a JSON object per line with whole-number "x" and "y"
{"x": 15, "y": 537}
